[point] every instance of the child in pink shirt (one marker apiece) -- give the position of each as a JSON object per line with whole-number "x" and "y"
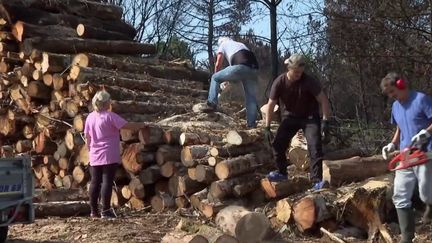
{"x": 102, "y": 132}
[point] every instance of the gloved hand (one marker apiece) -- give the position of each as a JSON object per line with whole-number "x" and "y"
{"x": 421, "y": 138}
{"x": 268, "y": 135}
{"x": 324, "y": 130}
{"x": 386, "y": 150}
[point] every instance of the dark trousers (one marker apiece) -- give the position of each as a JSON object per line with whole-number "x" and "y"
{"x": 312, "y": 131}
{"x": 102, "y": 178}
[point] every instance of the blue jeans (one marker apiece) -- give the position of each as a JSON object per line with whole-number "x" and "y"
{"x": 249, "y": 79}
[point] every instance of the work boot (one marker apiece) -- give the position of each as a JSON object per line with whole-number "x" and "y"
{"x": 206, "y": 107}
{"x": 427, "y": 216}
{"x": 276, "y": 176}
{"x": 406, "y": 219}
{"x": 108, "y": 214}
{"x": 320, "y": 185}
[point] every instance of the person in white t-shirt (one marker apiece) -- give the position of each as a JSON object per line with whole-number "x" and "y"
{"x": 243, "y": 67}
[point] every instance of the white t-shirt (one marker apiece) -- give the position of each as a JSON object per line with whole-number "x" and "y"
{"x": 229, "y": 48}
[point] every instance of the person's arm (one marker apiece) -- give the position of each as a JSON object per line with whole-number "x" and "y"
{"x": 325, "y": 105}
{"x": 134, "y": 125}
{"x": 88, "y": 140}
{"x": 269, "y": 112}
{"x": 396, "y": 136}
{"x": 219, "y": 62}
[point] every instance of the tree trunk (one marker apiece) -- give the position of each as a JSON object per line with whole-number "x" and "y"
{"x": 234, "y": 150}
{"x": 126, "y": 192}
{"x": 190, "y": 154}
{"x": 150, "y": 175}
{"x": 169, "y": 169}
{"x": 205, "y": 174}
{"x": 76, "y": 45}
{"x": 151, "y": 135}
{"x": 42, "y": 145}
{"x": 224, "y": 188}
{"x": 137, "y": 188}
{"x": 309, "y": 211}
{"x": 188, "y": 139}
{"x": 61, "y": 195}
{"x": 55, "y": 63}
{"x": 39, "y": 90}
{"x": 162, "y": 202}
{"x": 192, "y": 173}
{"x": 167, "y": 153}
{"x": 243, "y": 137}
{"x": 73, "y": 140}
{"x": 284, "y": 210}
{"x": 83, "y": 156}
{"x": 21, "y": 31}
{"x": 79, "y": 122}
{"x": 236, "y": 166}
{"x": 136, "y": 203}
{"x": 226, "y": 239}
{"x": 285, "y": 188}
{"x": 117, "y": 199}
{"x": 23, "y": 146}
{"x": 183, "y": 185}
{"x": 80, "y": 175}
{"x": 89, "y": 32}
{"x": 128, "y": 135}
{"x": 181, "y": 202}
{"x": 245, "y": 225}
{"x": 61, "y": 209}
{"x": 345, "y": 171}
{"x": 172, "y": 136}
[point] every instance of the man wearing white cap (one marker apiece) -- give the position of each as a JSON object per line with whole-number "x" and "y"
{"x": 243, "y": 67}
{"x": 302, "y": 97}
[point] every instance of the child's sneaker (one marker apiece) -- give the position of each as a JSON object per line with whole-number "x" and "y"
{"x": 108, "y": 214}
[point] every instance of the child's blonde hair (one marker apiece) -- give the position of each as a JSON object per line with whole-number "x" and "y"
{"x": 101, "y": 101}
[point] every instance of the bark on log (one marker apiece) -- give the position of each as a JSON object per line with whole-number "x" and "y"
{"x": 5, "y": 47}
{"x": 285, "y": 188}
{"x": 192, "y": 173}
{"x": 23, "y": 146}
{"x": 242, "y": 190}
{"x": 83, "y": 156}
{"x": 234, "y": 150}
{"x": 162, "y": 202}
{"x": 198, "y": 197}
{"x": 309, "y": 211}
{"x": 60, "y": 195}
{"x": 39, "y": 90}
{"x": 61, "y": 209}
{"x": 190, "y": 154}
{"x": 183, "y": 185}
{"x": 167, "y": 153}
{"x": 80, "y": 175}
{"x": 42, "y": 145}
{"x": 76, "y": 45}
{"x": 136, "y": 203}
{"x": 243, "y": 137}
{"x": 137, "y": 188}
{"x": 55, "y": 63}
{"x": 340, "y": 172}
{"x": 79, "y": 122}
{"x": 245, "y": 225}
{"x": 187, "y": 139}
{"x": 21, "y": 31}
{"x": 62, "y": 152}
{"x": 161, "y": 186}
{"x": 128, "y": 135}
{"x": 150, "y": 175}
{"x": 172, "y": 136}
{"x": 236, "y": 166}
{"x": 224, "y": 188}
{"x": 226, "y": 239}
{"x": 135, "y": 158}
{"x": 170, "y": 168}
{"x": 181, "y": 202}
{"x": 89, "y": 32}
{"x": 117, "y": 199}
{"x": 205, "y": 174}
{"x": 73, "y": 140}
{"x": 151, "y": 135}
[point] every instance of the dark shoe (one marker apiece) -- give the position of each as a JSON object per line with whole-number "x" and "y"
{"x": 321, "y": 185}
{"x": 427, "y": 216}
{"x": 406, "y": 219}
{"x": 95, "y": 215}
{"x": 276, "y": 176}
{"x": 204, "y": 107}
{"x": 108, "y": 214}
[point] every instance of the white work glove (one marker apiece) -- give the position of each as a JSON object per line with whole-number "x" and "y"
{"x": 224, "y": 85}
{"x": 388, "y": 149}
{"x": 421, "y": 138}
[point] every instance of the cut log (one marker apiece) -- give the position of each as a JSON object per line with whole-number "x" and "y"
{"x": 224, "y": 188}
{"x": 117, "y": 199}
{"x": 162, "y": 202}
{"x": 5, "y": 47}
{"x": 62, "y": 152}
{"x": 21, "y": 31}
{"x": 55, "y": 63}
{"x": 210, "y": 209}
{"x": 309, "y": 211}
{"x": 171, "y": 168}
{"x": 167, "y": 153}
{"x": 147, "y": 108}
{"x": 285, "y": 188}
{"x": 121, "y": 177}
{"x": 161, "y": 186}
{"x": 181, "y": 202}
{"x": 205, "y": 174}
{"x": 339, "y": 172}
{"x": 136, "y": 188}
{"x": 47, "y": 79}
{"x": 199, "y": 239}
{"x": 187, "y": 139}
{"x": 136, "y": 203}
{"x": 135, "y": 158}
{"x": 23, "y": 146}
{"x": 37, "y": 75}
{"x": 29, "y": 131}
{"x": 42, "y": 145}
{"x": 243, "y": 137}
{"x": 73, "y": 140}
{"x": 192, "y": 173}
{"x": 89, "y": 32}
{"x": 298, "y": 153}
{"x": 39, "y": 90}
{"x": 83, "y": 156}
{"x": 128, "y": 135}
{"x": 58, "y": 82}
{"x": 80, "y": 175}
{"x": 236, "y": 166}
{"x": 60, "y": 195}
{"x": 242, "y": 190}
{"x": 67, "y": 182}
{"x": 61, "y": 209}
{"x": 172, "y": 136}
{"x": 150, "y": 175}
{"x": 213, "y": 161}
{"x": 126, "y": 192}
{"x": 79, "y": 122}
{"x": 245, "y": 225}
{"x": 234, "y": 151}
{"x": 226, "y": 239}
{"x": 284, "y": 210}
{"x": 198, "y": 197}
{"x": 183, "y": 185}
{"x": 76, "y": 45}
{"x": 58, "y": 182}
{"x": 151, "y": 135}
{"x": 190, "y": 154}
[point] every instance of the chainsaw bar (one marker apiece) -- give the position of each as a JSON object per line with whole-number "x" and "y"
{"x": 409, "y": 157}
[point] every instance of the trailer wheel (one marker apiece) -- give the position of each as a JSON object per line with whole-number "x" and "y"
{"x": 3, "y": 234}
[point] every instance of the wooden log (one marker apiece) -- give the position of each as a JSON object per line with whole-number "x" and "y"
{"x": 244, "y": 137}
{"x": 83, "y": 156}
{"x": 136, "y": 188}
{"x": 37, "y": 75}
{"x": 162, "y": 202}
{"x": 126, "y": 192}
{"x": 150, "y": 175}
{"x": 198, "y": 197}
{"x": 234, "y": 151}
{"x": 245, "y": 225}
{"x": 242, "y": 190}
{"x": 192, "y": 173}
{"x": 47, "y": 79}
{"x": 80, "y": 175}
{"x": 284, "y": 210}
{"x": 21, "y": 31}
{"x": 224, "y": 188}
{"x": 199, "y": 239}
{"x": 121, "y": 177}
{"x": 151, "y": 135}
{"x": 117, "y": 199}
{"x": 148, "y": 108}
{"x": 58, "y": 182}
{"x": 339, "y": 172}
{"x": 55, "y": 63}
{"x": 73, "y": 140}
{"x": 89, "y": 32}
{"x": 5, "y": 47}
{"x": 190, "y": 154}
{"x": 67, "y": 182}
{"x": 167, "y": 153}
{"x": 309, "y": 211}
{"x": 183, "y": 185}
{"x": 226, "y": 239}
{"x": 39, "y": 90}
{"x": 213, "y": 161}
{"x": 205, "y": 174}
{"x": 23, "y": 146}
{"x": 172, "y": 136}
{"x": 60, "y": 195}
{"x": 42, "y": 145}
{"x": 171, "y": 168}
{"x": 128, "y": 135}
{"x": 135, "y": 158}
{"x": 79, "y": 122}
{"x": 62, "y": 152}
{"x": 187, "y": 139}
{"x": 236, "y": 166}
{"x": 181, "y": 202}
{"x": 285, "y": 188}
{"x": 61, "y": 209}
{"x": 161, "y": 186}
{"x": 136, "y": 203}
{"x": 76, "y": 45}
